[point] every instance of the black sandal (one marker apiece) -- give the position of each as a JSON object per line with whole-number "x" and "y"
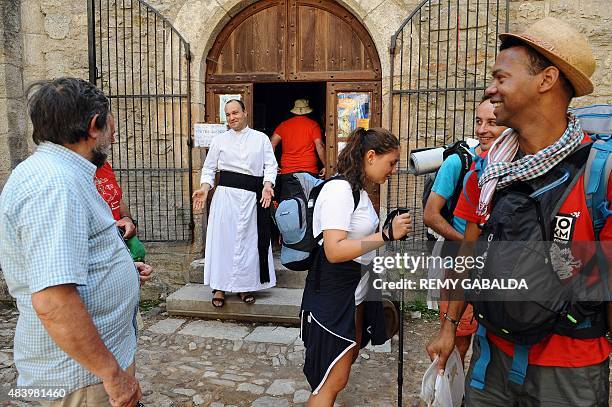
{"x": 218, "y": 302}
{"x": 247, "y": 298}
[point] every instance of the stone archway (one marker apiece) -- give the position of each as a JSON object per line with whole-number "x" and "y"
{"x": 301, "y": 42}
{"x": 200, "y": 22}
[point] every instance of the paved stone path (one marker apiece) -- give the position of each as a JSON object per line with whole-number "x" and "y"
{"x": 193, "y": 362}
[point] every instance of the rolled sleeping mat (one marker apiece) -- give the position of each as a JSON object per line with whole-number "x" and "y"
{"x": 426, "y": 160}
{"x": 595, "y": 119}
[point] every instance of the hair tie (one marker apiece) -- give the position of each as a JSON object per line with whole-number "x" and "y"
{"x": 362, "y": 135}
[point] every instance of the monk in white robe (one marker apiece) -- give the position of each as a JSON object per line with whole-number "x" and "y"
{"x": 232, "y": 261}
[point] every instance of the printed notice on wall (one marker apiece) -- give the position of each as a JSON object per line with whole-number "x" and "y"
{"x": 204, "y": 133}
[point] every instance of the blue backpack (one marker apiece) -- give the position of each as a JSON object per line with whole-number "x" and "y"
{"x": 293, "y": 217}
{"x": 596, "y": 120}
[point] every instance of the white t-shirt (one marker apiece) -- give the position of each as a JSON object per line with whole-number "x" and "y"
{"x": 334, "y": 210}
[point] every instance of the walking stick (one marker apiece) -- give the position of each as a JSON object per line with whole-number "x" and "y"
{"x": 400, "y": 357}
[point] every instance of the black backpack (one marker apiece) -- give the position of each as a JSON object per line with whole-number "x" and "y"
{"x": 516, "y": 243}
{"x": 293, "y": 217}
{"x": 462, "y": 149}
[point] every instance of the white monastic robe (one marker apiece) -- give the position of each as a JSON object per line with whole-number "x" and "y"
{"x": 232, "y": 261}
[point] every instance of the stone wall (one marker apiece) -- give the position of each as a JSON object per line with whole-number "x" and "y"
{"x": 13, "y": 147}
{"x": 593, "y": 18}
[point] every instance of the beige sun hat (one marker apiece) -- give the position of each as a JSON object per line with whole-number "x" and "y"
{"x": 301, "y": 106}
{"x": 565, "y": 47}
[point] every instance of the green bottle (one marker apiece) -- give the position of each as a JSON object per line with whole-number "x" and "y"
{"x": 137, "y": 249}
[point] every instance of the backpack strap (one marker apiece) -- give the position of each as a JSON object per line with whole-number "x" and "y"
{"x": 480, "y": 164}
{"x": 319, "y": 238}
{"x": 462, "y": 150}
{"x": 596, "y": 178}
{"x": 518, "y": 370}
{"x": 356, "y": 199}
{"x": 520, "y": 361}
{"x": 480, "y": 367}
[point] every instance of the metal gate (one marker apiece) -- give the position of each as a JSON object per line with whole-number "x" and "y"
{"x": 440, "y": 61}
{"x": 143, "y": 65}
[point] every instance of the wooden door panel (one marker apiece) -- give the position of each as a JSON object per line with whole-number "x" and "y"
{"x": 252, "y": 46}
{"x": 342, "y": 101}
{"x": 213, "y": 99}
{"x": 293, "y": 40}
{"x": 329, "y": 43}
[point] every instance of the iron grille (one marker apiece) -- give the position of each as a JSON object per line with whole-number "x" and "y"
{"x": 143, "y": 65}
{"x": 440, "y": 61}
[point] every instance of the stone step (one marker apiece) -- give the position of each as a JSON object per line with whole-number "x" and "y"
{"x": 285, "y": 278}
{"x": 281, "y": 305}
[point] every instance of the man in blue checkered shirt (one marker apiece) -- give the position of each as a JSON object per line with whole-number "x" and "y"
{"x": 74, "y": 281}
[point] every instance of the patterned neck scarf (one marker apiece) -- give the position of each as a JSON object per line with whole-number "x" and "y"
{"x": 501, "y": 171}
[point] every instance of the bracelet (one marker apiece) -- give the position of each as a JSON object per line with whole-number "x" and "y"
{"x": 449, "y": 319}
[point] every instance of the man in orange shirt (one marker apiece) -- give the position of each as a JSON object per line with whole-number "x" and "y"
{"x": 300, "y": 136}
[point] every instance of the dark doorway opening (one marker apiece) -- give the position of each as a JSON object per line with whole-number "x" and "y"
{"x": 273, "y": 101}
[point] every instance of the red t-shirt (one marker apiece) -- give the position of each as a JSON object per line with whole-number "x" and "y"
{"x": 298, "y": 135}
{"x": 556, "y": 350}
{"x": 109, "y": 188}
{"x": 468, "y": 199}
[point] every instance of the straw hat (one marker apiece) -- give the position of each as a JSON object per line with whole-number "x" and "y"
{"x": 300, "y": 106}
{"x": 565, "y": 47}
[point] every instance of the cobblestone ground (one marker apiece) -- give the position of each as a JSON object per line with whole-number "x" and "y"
{"x": 193, "y": 362}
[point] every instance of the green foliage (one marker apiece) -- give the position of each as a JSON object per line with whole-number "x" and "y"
{"x": 146, "y": 305}
{"x": 420, "y": 304}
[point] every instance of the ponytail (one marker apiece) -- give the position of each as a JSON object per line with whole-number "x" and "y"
{"x": 360, "y": 141}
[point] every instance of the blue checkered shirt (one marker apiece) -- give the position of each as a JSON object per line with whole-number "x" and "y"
{"x": 56, "y": 229}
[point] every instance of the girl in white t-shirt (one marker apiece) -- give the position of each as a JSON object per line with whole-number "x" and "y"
{"x": 332, "y": 316}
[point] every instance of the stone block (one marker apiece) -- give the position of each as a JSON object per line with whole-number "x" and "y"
{"x": 13, "y": 82}
{"x": 250, "y": 388}
{"x": 270, "y": 402}
{"x": 167, "y": 326}
{"x": 215, "y": 329}
{"x": 281, "y": 387}
{"x": 32, "y": 19}
{"x": 301, "y": 396}
{"x": 272, "y": 305}
{"x": 184, "y": 392}
{"x": 285, "y": 278}
{"x": 273, "y": 334}
{"x": 384, "y": 348}
{"x": 34, "y": 49}
{"x": 57, "y": 26}
{"x": 224, "y": 383}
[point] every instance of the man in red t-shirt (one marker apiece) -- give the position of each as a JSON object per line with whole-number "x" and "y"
{"x": 534, "y": 79}
{"x": 111, "y": 192}
{"x": 300, "y": 137}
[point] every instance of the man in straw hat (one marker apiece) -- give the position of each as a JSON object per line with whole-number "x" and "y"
{"x": 300, "y": 137}
{"x": 515, "y": 360}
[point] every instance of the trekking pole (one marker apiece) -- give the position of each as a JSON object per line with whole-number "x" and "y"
{"x": 400, "y": 356}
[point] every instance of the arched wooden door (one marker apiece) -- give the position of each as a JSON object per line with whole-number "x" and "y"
{"x": 300, "y": 41}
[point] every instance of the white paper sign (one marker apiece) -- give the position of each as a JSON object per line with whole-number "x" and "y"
{"x": 205, "y": 132}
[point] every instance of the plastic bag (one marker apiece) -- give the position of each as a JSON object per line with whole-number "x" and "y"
{"x": 444, "y": 390}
